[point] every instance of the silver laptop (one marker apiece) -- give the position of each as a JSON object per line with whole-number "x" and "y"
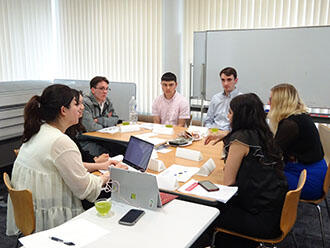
{"x": 135, "y": 188}
{"x": 138, "y": 154}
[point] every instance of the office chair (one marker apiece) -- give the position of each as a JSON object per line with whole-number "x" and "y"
{"x": 288, "y": 216}
{"x": 23, "y": 208}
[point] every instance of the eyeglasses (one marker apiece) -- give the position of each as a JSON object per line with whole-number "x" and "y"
{"x": 102, "y": 89}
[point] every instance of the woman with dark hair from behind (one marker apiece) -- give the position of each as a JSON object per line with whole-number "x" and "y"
{"x": 49, "y": 163}
{"x": 91, "y": 163}
{"x": 254, "y": 164}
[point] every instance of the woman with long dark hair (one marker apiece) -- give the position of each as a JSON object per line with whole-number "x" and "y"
{"x": 253, "y": 162}
{"x": 91, "y": 163}
{"x": 49, "y": 162}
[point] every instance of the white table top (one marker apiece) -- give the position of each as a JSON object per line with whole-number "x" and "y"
{"x": 177, "y": 224}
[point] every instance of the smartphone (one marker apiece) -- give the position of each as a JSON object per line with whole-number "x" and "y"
{"x": 209, "y": 186}
{"x": 131, "y": 217}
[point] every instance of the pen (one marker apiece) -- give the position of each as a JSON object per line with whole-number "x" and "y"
{"x": 62, "y": 241}
{"x": 191, "y": 187}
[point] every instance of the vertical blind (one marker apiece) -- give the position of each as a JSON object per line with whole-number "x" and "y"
{"x": 122, "y": 39}
{"x": 202, "y": 15}
{"x": 119, "y": 39}
{"x": 79, "y": 39}
{"x": 25, "y": 39}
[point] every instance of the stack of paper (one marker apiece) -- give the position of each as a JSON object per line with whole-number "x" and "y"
{"x": 223, "y": 194}
{"x": 129, "y": 128}
{"x": 109, "y": 130}
{"x": 179, "y": 172}
{"x": 149, "y": 137}
{"x": 163, "y": 130}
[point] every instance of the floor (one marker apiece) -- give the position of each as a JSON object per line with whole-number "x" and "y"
{"x": 306, "y": 229}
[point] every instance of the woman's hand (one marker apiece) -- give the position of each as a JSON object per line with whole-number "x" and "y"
{"x": 102, "y": 158}
{"x": 118, "y": 164}
{"x": 105, "y": 177}
{"x": 217, "y": 137}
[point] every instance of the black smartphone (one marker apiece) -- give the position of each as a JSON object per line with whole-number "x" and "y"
{"x": 131, "y": 217}
{"x": 209, "y": 186}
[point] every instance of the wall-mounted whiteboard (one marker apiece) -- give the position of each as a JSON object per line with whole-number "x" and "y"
{"x": 266, "y": 57}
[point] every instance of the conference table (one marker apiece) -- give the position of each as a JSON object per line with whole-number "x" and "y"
{"x": 207, "y": 151}
{"x": 177, "y": 224}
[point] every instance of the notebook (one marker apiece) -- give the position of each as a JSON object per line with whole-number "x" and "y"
{"x": 135, "y": 188}
{"x": 138, "y": 154}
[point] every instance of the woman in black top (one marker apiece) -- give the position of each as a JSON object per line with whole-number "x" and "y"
{"x": 296, "y": 134}
{"x": 91, "y": 163}
{"x": 254, "y": 164}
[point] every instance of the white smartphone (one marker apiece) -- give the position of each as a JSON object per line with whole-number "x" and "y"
{"x": 131, "y": 217}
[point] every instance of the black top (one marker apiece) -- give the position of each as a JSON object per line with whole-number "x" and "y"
{"x": 85, "y": 155}
{"x": 262, "y": 186}
{"x": 299, "y": 139}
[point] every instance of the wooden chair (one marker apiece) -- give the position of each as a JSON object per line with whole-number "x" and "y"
{"x": 196, "y": 122}
{"x": 288, "y": 216}
{"x": 23, "y": 208}
{"x": 324, "y": 132}
{"x": 145, "y": 118}
{"x": 16, "y": 151}
{"x": 316, "y": 202}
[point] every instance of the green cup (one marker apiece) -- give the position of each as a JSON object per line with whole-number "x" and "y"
{"x": 103, "y": 206}
{"x": 168, "y": 125}
{"x": 125, "y": 123}
{"x": 214, "y": 130}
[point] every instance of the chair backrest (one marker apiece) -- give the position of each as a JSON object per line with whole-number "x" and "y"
{"x": 324, "y": 132}
{"x": 326, "y": 182}
{"x": 145, "y": 118}
{"x": 23, "y": 207}
{"x": 196, "y": 122}
{"x": 289, "y": 210}
{"x": 16, "y": 151}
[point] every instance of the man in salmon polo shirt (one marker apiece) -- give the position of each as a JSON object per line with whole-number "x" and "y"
{"x": 171, "y": 107}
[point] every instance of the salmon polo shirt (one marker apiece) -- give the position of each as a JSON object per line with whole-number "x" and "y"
{"x": 171, "y": 110}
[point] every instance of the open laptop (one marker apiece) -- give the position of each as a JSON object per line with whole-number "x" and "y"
{"x": 138, "y": 154}
{"x": 135, "y": 188}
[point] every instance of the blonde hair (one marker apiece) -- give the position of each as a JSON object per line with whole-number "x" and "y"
{"x": 285, "y": 101}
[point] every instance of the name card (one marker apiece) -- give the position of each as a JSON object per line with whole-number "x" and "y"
{"x": 189, "y": 154}
{"x": 129, "y": 128}
{"x": 156, "y": 165}
{"x": 207, "y": 168}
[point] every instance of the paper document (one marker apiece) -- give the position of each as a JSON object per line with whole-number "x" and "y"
{"x": 223, "y": 194}
{"x": 180, "y": 172}
{"x": 149, "y": 137}
{"x": 80, "y": 232}
{"x": 109, "y": 130}
{"x": 202, "y": 130}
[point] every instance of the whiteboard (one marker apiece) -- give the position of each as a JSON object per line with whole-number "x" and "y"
{"x": 199, "y": 61}
{"x": 266, "y": 57}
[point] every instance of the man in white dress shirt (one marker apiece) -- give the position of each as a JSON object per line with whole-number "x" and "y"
{"x": 219, "y": 105}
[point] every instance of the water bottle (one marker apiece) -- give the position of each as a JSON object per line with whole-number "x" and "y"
{"x": 133, "y": 115}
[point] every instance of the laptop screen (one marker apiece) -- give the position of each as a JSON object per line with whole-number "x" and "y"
{"x": 138, "y": 153}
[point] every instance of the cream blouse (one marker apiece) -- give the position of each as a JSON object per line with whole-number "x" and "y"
{"x": 50, "y": 165}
